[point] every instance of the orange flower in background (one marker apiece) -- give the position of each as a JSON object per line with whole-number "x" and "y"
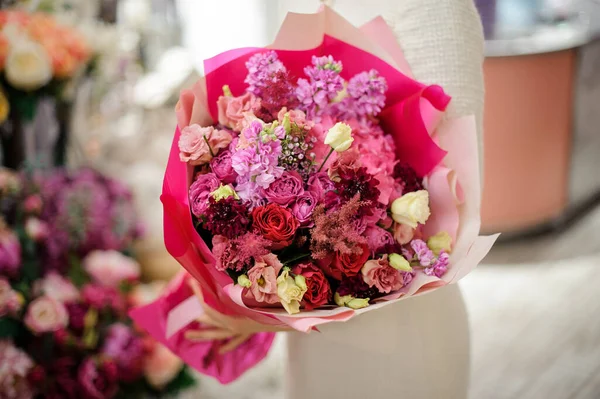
{"x": 4, "y": 46}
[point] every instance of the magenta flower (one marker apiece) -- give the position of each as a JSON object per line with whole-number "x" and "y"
{"x": 302, "y": 208}
{"x": 98, "y": 379}
{"x": 378, "y": 239}
{"x": 227, "y": 217}
{"x": 422, "y": 252}
{"x": 439, "y": 267}
{"x": 319, "y": 184}
{"x": 285, "y": 189}
{"x": 323, "y": 85}
{"x": 126, "y": 349}
{"x": 221, "y": 167}
{"x": 366, "y": 94}
{"x": 261, "y": 68}
{"x": 200, "y": 192}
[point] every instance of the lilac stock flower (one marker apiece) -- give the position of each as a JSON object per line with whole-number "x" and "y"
{"x": 366, "y": 94}
{"x": 439, "y": 267}
{"x": 422, "y": 252}
{"x": 261, "y": 69}
{"x": 323, "y": 85}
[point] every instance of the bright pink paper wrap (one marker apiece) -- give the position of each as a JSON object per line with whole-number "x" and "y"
{"x": 446, "y": 155}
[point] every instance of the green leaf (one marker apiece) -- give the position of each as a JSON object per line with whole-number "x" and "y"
{"x": 76, "y": 273}
{"x": 9, "y": 328}
{"x": 183, "y": 381}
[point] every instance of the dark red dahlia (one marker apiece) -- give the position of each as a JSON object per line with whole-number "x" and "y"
{"x": 359, "y": 182}
{"x": 277, "y": 94}
{"x": 227, "y": 217}
{"x": 356, "y": 287}
{"x": 408, "y": 177}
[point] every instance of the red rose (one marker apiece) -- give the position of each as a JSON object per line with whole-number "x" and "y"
{"x": 319, "y": 291}
{"x": 276, "y": 224}
{"x": 349, "y": 265}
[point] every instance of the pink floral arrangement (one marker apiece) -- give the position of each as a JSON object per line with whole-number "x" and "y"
{"x": 66, "y": 286}
{"x": 312, "y": 181}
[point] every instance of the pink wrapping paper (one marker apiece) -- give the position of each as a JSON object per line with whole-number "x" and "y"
{"x": 412, "y": 114}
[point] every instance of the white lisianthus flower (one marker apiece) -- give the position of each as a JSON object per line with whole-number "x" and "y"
{"x": 28, "y": 66}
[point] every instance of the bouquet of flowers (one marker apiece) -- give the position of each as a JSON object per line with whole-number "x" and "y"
{"x": 312, "y": 181}
{"x": 66, "y": 284}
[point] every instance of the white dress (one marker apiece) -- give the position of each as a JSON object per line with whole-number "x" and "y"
{"x": 417, "y": 348}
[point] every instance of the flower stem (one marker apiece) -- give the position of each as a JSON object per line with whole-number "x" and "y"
{"x": 295, "y": 258}
{"x": 325, "y": 160}
{"x": 209, "y": 149}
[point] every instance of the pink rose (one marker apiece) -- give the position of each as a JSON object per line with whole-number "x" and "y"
{"x": 111, "y": 268}
{"x": 46, "y": 314}
{"x": 10, "y": 302}
{"x": 263, "y": 277}
{"x": 33, "y": 204}
{"x": 378, "y": 239}
{"x": 297, "y": 117}
{"x": 319, "y": 184}
{"x": 285, "y": 189}
{"x": 233, "y": 110}
{"x": 200, "y": 192}
{"x": 221, "y": 167}
{"x": 161, "y": 366}
{"x": 303, "y": 207}
{"x": 57, "y": 287}
{"x": 195, "y": 140}
{"x": 36, "y": 229}
{"x": 380, "y": 274}
{"x": 403, "y": 233}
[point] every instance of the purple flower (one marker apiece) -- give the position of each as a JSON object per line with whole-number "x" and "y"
{"x": 439, "y": 267}
{"x": 261, "y": 69}
{"x": 200, "y": 192}
{"x": 323, "y": 85}
{"x": 15, "y": 365}
{"x": 221, "y": 167}
{"x": 378, "y": 238}
{"x": 126, "y": 349}
{"x": 366, "y": 95}
{"x": 98, "y": 379}
{"x": 10, "y": 253}
{"x": 319, "y": 184}
{"x": 407, "y": 278}
{"x": 303, "y": 207}
{"x": 422, "y": 251}
{"x": 285, "y": 189}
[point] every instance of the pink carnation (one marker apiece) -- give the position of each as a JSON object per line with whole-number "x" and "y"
{"x": 197, "y": 144}
{"x": 380, "y": 274}
{"x": 263, "y": 277}
{"x": 111, "y": 268}
{"x": 233, "y": 110}
{"x": 46, "y": 314}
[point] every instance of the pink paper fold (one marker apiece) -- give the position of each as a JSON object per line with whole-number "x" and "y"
{"x": 202, "y": 356}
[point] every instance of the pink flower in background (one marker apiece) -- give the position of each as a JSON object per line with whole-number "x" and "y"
{"x": 200, "y": 191}
{"x": 36, "y": 229}
{"x": 33, "y": 204}
{"x": 100, "y": 297}
{"x": 161, "y": 366}
{"x": 263, "y": 277}
{"x": 378, "y": 273}
{"x": 285, "y": 189}
{"x": 10, "y": 302}
{"x": 46, "y": 314}
{"x": 98, "y": 379}
{"x": 221, "y": 167}
{"x": 232, "y": 110}
{"x": 111, "y": 268}
{"x": 57, "y": 287}
{"x": 10, "y": 253}
{"x": 126, "y": 349}
{"x": 14, "y": 368}
{"x": 195, "y": 140}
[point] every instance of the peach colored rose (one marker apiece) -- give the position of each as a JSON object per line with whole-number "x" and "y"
{"x": 46, "y": 314}
{"x": 380, "y": 274}
{"x": 110, "y": 268}
{"x": 161, "y": 366}
{"x": 403, "y": 233}
{"x": 263, "y": 277}
{"x": 232, "y": 110}
{"x": 195, "y": 140}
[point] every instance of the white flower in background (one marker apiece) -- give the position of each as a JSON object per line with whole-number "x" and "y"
{"x": 28, "y": 66}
